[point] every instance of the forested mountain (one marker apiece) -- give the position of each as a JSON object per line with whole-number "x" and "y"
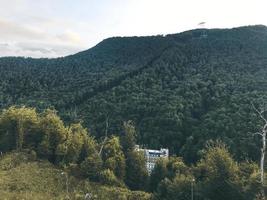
{"x": 180, "y": 90}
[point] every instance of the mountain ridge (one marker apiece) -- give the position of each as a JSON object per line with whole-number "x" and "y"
{"x": 258, "y": 27}
{"x": 181, "y": 90}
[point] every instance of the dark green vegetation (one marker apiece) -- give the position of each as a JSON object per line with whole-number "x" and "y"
{"x": 79, "y": 165}
{"x": 180, "y": 91}
{"x": 35, "y": 137}
{"x": 215, "y": 177}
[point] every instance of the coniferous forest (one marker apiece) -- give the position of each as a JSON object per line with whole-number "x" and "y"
{"x": 195, "y": 95}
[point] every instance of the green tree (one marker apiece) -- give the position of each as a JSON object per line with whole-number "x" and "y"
{"x": 159, "y": 172}
{"x": 89, "y": 158}
{"x": 54, "y": 135}
{"x": 128, "y": 140}
{"x": 18, "y": 128}
{"x": 249, "y": 179}
{"x": 113, "y": 157}
{"x": 176, "y": 165}
{"x": 108, "y": 177}
{"x": 218, "y": 173}
{"x": 177, "y": 188}
{"x": 75, "y": 141}
{"x": 136, "y": 172}
{"x": 92, "y": 166}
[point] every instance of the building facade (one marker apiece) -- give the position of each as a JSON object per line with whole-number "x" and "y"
{"x": 152, "y": 156}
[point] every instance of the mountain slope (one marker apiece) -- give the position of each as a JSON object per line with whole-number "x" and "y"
{"x": 181, "y": 90}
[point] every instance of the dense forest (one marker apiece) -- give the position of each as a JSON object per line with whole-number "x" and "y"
{"x": 179, "y": 90}
{"x": 43, "y": 158}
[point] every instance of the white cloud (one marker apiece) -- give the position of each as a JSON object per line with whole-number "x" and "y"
{"x": 14, "y": 31}
{"x": 31, "y": 41}
{"x": 70, "y": 36}
{"x": 37, "y": 49}
{"x": 54, "y": 28}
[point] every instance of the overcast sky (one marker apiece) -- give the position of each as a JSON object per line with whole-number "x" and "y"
{"x": 52, "y": 28}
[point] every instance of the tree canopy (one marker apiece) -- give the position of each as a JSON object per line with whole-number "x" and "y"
{"x": 179, "y": 90}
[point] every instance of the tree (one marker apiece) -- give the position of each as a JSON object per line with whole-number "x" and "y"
{"x": 249, "y": 179}
{"x": 70, "y": 150}
{"x": 218, "y": 173}
{"x": 262, "y": 133}
{"x": 89, "y": 158}
{"x": 178, "y": 97}
{"x": 91, "y": 167}
{"x": 18, "y": 128}
{"x": 176, "y": 165}
{"x": 54, "y": 135}
{"x": 107, "y": 177}
{"x": 136, "y": 172}
{"x": 158, "y": 174}
{"x": 177, "y": 188}
{"x": 113, "y": 157}
{"x": 128, "y": 140}
{"x": 176, "y": 182}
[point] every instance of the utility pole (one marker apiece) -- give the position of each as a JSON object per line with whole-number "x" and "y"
{"x": 192, "y": 189}
{"x": 203, "y": 32}
{"x": 66, "y": 183}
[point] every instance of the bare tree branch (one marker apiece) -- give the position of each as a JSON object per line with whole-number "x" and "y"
{"x": 259, "y": 112}
{"x": 263, "y": 147}
{"x": 258, "y": 133}
{"x": 106, "y": 136}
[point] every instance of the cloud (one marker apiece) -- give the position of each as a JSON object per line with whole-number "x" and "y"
{"x": 13, "y": 31}
{"x": 33, "y": 48}
{"x": 70, "y": 36}
{"x": 37, "y": 41}
{"x": 54, "y": 28}
{"x": 3, "y": 44}
{"x": 30, "y": 49}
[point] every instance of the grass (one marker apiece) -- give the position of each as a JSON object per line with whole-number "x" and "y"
{"x": 24, "y": 178}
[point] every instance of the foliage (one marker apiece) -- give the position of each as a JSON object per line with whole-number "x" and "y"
{"x": 113, "y": 157}
{"x": 108, "y": 177}
{"x": 180, "y": 90}
{"x": 18, "y": 128}
{"x": 158, "y": 174}
{"x": 128, "y": 139}
{"x": 67, "y": 146}
{"x": 215, "y": 176}
{"x": 136, "y": 172}
{"x": 177, "y": 188}
{"x": 91, "y": 167}
{"x": 22, "y": 178}
{"x": 177, "y": 91}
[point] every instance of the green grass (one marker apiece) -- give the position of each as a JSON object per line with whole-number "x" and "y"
{"x": 24, "y": 178}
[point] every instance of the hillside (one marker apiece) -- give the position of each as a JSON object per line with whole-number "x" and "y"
{"x": 24, "y": 177}
{"x": 42, "y": 158}
{"x": 180, "y": 90}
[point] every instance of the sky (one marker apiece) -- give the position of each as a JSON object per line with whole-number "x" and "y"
{"x": 55, "y": 28}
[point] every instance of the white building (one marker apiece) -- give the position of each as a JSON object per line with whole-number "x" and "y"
{"x": 152, "y": 156}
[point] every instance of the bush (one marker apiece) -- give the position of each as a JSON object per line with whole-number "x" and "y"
{"x": 108, "y": 177}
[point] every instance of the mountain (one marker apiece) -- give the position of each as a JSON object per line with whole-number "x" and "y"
{"x": 181, "y": 90}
